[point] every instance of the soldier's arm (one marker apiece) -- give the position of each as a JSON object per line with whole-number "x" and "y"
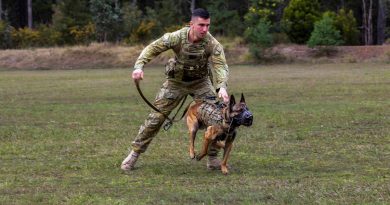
{"x": 154, "y": 49}
{"x": 220, "y": 66}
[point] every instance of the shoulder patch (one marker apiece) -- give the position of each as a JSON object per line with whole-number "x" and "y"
{"x": 217, "y": 49}
{"x": 165, "y": 39}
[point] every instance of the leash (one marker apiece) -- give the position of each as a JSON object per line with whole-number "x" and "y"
{"x": 169, "y": 121}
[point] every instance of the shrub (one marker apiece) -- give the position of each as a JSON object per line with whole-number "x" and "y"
{"x": 84, "y": 35}
{"x": 347, "y": 25}
{"x": 259, "y": 38}
{"x": 298, "y": 19}
{"x": 142, "y": 33}
{"x": 5, "y": 35}
{"x": 325, "y": 34}
{"x": 25, "y": 37}
{"x": 48, "y": 36}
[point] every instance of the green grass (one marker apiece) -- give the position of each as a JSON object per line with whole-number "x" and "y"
{"x": 320, "y": 136}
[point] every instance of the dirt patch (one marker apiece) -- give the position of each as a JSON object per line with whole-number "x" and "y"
{"x": 115, "y": 56}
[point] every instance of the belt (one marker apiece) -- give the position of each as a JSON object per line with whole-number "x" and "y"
{"x": 190, "y": 79}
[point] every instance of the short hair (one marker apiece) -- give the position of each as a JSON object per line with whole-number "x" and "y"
{"x": 199, "y": 12}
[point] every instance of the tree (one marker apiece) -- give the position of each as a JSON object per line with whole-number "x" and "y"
{"x": 70, "y": 14}
{"x": 325, "y": 34}
{"x": 226, "y": 22}
{"x": 193, "y": 4}
{"x": 367, "y": 21}
{"x": 298, "y": 19}
{"x": 381, "y": 22}
{"x": 259, "y": 38}
{"x": 1, "y": 10}
{"x": 107, "y": 18}
{"x": 29, "y": 13}
{"x": 345, "y": 22}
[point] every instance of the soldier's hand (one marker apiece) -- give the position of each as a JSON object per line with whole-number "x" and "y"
{"x": 223, "y": 94}
{"x": 138, "y": 74}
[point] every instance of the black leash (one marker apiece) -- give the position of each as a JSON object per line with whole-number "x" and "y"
{"x": 169, "y": 121}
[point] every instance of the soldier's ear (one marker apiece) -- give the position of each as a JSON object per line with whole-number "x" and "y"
{"x": 242, "y": 98}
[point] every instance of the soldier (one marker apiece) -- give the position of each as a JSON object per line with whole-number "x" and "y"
{"x": 187, "y": 74}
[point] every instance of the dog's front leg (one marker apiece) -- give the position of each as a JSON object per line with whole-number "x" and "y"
{"x": 192, "y": 133}
{"x": 226, "y": 154}
{"x": 209, "y": 136}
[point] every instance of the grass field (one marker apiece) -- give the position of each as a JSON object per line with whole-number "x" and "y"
{"x": 321, "y": 135}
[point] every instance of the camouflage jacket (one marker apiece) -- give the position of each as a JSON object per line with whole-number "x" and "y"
{"x": 190, "y": 59}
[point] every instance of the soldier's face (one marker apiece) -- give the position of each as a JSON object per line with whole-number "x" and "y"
{"x": 200, "y": 26}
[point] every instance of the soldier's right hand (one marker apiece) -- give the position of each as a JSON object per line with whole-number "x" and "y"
{"x": 138, "y": 74}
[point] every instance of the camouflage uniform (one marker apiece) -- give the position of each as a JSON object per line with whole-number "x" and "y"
{"x": 187, "y": 74}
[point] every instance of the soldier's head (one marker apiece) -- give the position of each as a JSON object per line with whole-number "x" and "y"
{"x": 200, "y": 23}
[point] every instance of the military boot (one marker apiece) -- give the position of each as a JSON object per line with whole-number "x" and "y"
{"x": 213, "y": 163}
{"x": 129, "y": 162}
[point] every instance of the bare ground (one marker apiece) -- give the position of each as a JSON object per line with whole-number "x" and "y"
{"x": 116, "y": 56}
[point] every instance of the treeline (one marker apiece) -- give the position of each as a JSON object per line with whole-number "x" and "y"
{"x": 261, "y": 23}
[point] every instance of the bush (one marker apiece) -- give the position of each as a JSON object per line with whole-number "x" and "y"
{"x": 143, "y": 33}
{"x": 48, "y": 36}
{"x": 259, "y": 38}
{"x": 5, "y": 35}
{"x": 325, "y": 34}
{"x": 84, "y": 35}
{"x": 298, "y": 19}
{"x": 25, "y": 37}
{"x": 346, "y": 23}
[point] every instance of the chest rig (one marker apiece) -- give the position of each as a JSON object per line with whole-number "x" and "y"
{"x": 210, "y": 114}
{"x": 191, "y": 60}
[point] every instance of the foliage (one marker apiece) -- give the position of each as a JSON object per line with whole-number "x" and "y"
{"x": 68, "y": 14}
{"x": 262, "y": 9}
{"x": 132, "y": 18}
{"x": 346, "y": 23}
{"x": 226, "y": 23}
{"x": 25, "y": 37}
{"x": 48, "y": 36}
{"x": 259, "y": 38}
{"x": 5, "y": 35}
{"x": 107, "y": 18}
{"x": 298, "y": 19}
{"x": 325, "y": 34}
{"x": 83, "y": 35}
{"x": 143, "y": 32}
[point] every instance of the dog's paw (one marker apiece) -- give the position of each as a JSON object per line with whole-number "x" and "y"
{"x": 192, "y": 155}
{"x": 198, "y": 157}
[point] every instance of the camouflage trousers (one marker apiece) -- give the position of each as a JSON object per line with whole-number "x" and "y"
{"x": 167, "y": 99}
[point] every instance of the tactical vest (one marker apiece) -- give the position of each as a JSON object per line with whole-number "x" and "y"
{"x": 210, "y": 114}
{"x": 191, "y": 60}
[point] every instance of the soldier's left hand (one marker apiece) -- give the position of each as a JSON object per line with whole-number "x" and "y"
{"x": 223, "y": 94}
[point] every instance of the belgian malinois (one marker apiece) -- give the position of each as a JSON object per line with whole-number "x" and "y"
{"x": 220, "y": 127}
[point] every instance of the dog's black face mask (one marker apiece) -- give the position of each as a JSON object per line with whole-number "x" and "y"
{"x": 240, "y": 112}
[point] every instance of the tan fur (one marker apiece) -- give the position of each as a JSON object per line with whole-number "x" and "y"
{"x": 210, "y": 137}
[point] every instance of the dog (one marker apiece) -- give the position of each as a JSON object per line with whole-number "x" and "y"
{"x": 220, "y": 123}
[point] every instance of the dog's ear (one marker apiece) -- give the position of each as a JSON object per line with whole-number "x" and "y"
{"x": 232, "y": 102}
{"x": 242, "y": 98}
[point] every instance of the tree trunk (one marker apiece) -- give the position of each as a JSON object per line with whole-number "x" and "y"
{"x": 1, "y": 10}
{"x": 370, "y": 39}
{"x": 381, "y": 22}
{"x": 29, "y": 13}
{"x": 193, "y": 4}
{"x": 367, "y": 22}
